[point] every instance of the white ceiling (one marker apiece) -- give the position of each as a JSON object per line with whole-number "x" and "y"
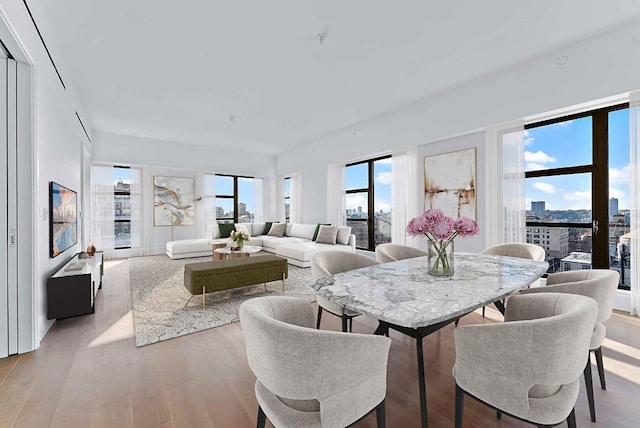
{"x": 178, "y": 71}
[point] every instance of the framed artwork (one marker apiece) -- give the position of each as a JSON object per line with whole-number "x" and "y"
{"x": 173, "y": 201}
{"x": 450, "y": 183}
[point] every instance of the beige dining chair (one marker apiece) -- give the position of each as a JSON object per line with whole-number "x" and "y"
{"x": 388, "y": 252}
{"x": 308, "y": 377}
{"x": 521, "y": 250}
{"x": 600, "y": 285}
{"x": 328, "y": 263}
{"x": 528, "y": 366}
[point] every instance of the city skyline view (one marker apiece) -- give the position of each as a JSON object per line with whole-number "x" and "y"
{"x": 357, "y": 177}
{"x": 567, "y": 144}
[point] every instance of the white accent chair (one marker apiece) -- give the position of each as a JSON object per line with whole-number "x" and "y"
{"x": 330, "y": 263}
{"x": 521, "y": 250}
{"x": 529, "y": 366}
{"x": 311, "y": 378}
{"x": 386, "y": 253}
{"x": 601, "y": 286}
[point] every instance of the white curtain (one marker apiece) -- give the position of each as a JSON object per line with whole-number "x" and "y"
{"x": 634, "y": 143}
{"x": 280, "y": 209}
{"x": 505, "y": 178}
{"x": 336, "y": 214}
{"x": 404, "y": 198}
{"x": 137, "y": 215}
{"x": 102, "y": 215}
{"x": 258, "y": 200}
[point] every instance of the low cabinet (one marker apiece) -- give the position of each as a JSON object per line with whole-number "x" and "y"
{"x": 72, "y": 289}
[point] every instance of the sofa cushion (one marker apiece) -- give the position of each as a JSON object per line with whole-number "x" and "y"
{"x": 258, "y": 229}
{"x": 315, "y": 232}
{"x": 225, "y": 229}
{"x": 343, "y": 235}
{"x": 301, "y": 230}
{"x": 245, "y": 227}
{"x": 277, "y": 229}
{"x": 273, "y": 242}
{"x": 189, "y": 246}
{"x": 327, "y": 235}
{"x": 304, "y": 251}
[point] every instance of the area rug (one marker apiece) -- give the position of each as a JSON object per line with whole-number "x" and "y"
{"x": 164, "y": 309}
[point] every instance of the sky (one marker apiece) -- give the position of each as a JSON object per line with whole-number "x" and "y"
{"x": 357, "y": 177}
{"x": 570, "y": 144}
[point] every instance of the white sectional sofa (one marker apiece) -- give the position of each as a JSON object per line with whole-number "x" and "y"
{"x": 296, "y": 245}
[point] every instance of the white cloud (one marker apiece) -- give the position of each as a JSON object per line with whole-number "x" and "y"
{"x": 578, "y": 196}
{"x": 619, "y": 175}
{"x": 544, "y": 187}
{"x": 528, "y": 139}
{"x": 384, "y": 178}
{"x": 538, "y": 157}
{"x": 354, "y": 201}
{"x": 532, "y": 166}
{"x": 617, "y": 193}
{"x": 382, "y": 206}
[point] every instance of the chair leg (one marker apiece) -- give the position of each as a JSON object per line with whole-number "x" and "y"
{"x": 459, "y": 406}
{"x": 483, "y": 311}
{"x": 262, "y": 418}
{"x": 344, "y": 323}
{"x": 319, "y": 317}
{"x": 589, "y": 387}
{"x": 571, "y": 419}
{"x": 351, "y": 325}
{"x": 380, "y": 416}
{"x": 498, "y": 414}
{"x": 603, "y": 383}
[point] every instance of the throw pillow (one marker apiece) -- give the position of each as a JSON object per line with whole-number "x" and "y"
{"x": 315, "y": 233}
{"x": 327, "y": 235}
{"x": 343, "y": 235}
{"x": 277, "y": 229}
{"x": 244, "y": 227}
{"x": 225, "y": 229}
{"x": 267, "y": 227}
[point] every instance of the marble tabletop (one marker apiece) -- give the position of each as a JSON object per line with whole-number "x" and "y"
{"x": 404, "y": 294}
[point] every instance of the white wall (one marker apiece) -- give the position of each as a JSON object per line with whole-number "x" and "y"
{"x": 56, "y": 140}
{"x": 126, "y": 149}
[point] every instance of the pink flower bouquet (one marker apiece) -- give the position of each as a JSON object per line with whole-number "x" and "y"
{"x": 441, "y": 230}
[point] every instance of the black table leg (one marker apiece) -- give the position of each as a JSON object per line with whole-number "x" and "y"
{"x": 422, "y": 384}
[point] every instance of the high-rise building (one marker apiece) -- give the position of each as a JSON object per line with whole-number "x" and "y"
{"x": 538, "y": 208}
{"x": 613, "y": 207}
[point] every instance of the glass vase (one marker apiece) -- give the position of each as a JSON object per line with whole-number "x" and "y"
{"x": 441, "y": 258}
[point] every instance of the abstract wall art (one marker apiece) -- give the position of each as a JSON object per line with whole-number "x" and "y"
{"x": 450, "y": 183}
{"x": 173, "y": 201}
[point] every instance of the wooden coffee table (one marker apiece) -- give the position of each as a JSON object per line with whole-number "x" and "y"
{"x": 228, "y": 253}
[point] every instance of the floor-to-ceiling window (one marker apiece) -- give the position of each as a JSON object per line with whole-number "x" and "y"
{"x": 577, "y": 189}
{"x": 234, "y": 200}
{"x": 287, "y": 199}
{"x": 368, "y": 201}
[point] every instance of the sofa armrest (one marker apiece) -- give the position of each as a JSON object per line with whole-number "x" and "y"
{"x": 352, "y": 241}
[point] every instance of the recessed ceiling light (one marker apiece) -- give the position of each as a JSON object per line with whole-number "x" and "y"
{"x": 562, "y": 60}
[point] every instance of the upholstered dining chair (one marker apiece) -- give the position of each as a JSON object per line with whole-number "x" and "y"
{"x": 600, "y": 285}
{"x": 329, "y": 263}
{"x": 528, "y": 366}
{"x": 308, "y": 377}
{"x": 386, "y": 253}
{"x": 521, "y": 250}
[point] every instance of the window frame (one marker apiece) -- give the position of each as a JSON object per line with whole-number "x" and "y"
{"x": 287, "y": 200}
{"x": 234, "y": 196}
{"x": 599, "y": 170}
{"x": 370, "y": 191}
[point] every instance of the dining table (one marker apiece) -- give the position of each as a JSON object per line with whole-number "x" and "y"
{"x": 404, "y": 297}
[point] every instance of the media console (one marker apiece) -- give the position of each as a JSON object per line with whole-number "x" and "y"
{"x": 71, "y": 290}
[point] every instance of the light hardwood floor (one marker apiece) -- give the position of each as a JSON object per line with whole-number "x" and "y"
{"x": 89, "y": 373}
